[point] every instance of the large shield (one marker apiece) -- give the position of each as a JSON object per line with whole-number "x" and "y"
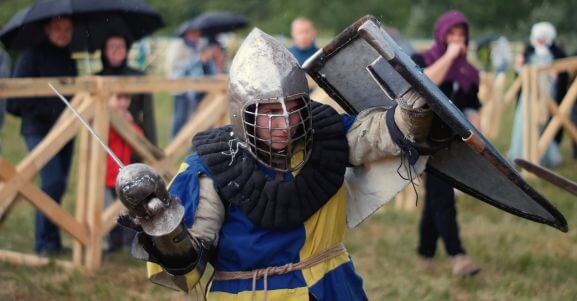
{"x": 363, "y": 67}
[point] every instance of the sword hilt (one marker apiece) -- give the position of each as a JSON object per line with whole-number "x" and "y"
{"x": 143, "y": 192}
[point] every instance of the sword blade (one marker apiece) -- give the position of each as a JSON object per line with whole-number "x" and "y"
{"x": 548, "y": 176}
{"x": 87, "y": 126}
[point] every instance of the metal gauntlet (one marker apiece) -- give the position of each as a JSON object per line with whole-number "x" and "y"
{"x": 177, "y": 252}
{"x": 158, "y": 217}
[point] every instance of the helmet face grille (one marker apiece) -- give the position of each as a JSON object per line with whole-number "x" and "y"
{"x": 279, "y": 134}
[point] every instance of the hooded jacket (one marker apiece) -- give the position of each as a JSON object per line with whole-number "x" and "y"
{"x": 40, "y": 113}
{"x": 141, "y": 106}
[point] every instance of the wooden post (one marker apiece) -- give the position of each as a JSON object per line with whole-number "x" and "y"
{"x": 526, "y": 85}
{"x": 79, "y": 250}
{"x": 485, "y": 95}
{"x": 535, "y": 120}
{"x": 498, "y": 103}
{"x": 97, "y": 174}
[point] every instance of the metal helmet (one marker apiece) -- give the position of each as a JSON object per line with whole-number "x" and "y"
{"x": 269, "y": 103}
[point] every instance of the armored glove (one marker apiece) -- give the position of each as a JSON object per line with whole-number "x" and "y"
{"x": 413, "y": 117}
{"x": 158, "y": 217}
{"x": 409, "y": 123}
{"x": 423, "y": 133}
{"x": 143, "y": 192}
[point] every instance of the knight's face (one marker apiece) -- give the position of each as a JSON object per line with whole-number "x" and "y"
{"x": 269, "y": 105}
{"x": 277, "y": 124}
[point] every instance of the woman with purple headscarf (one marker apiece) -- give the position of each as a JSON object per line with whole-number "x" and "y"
{"x": 445, "y": 63}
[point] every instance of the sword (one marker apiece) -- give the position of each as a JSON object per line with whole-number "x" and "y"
{"x": 141, "y": 190}
{"x": 548, "y": 176}
{"x": 87, "y": 126}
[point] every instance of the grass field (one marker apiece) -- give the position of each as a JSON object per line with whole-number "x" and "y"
{"x": 520, "y": 260}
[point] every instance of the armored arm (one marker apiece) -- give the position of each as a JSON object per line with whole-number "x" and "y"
{"x": 162, "y": 238}
{"x": 380, "y": 132}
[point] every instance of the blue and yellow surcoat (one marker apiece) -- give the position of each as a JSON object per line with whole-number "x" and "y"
{"x": 244, "y": 246}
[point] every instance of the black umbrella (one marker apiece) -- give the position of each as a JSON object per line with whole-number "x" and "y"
{"x": 93, "y": 21}
{"x": 212, "y": 23}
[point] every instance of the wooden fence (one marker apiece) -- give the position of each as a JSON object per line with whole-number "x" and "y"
{"x": 538, "y": 131}
{"x": 90, "y": 94}
{"x": 90, "y": 97}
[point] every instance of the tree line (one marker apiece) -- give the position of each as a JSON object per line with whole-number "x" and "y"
{"x": 414, "y": 18}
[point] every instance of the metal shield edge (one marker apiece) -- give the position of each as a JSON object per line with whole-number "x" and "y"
{"x": 444, "y": 108}
{"x": 368, "y": 29}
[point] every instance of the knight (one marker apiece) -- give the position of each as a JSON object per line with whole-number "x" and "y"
{"x": 266, "y": 199}
{"x": 263, "y": 199}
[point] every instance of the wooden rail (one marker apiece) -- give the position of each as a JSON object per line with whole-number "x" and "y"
{"x": 91, "y": 221}
{"x": 538, "y": 130}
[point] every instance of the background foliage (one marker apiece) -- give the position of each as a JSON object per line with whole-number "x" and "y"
{"x": 413, "y": 17}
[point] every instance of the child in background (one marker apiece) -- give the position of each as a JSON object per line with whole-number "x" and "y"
{"x": 118, "y": 236}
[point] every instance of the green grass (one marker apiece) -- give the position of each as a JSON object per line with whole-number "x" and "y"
{"x": 520, "y": 260}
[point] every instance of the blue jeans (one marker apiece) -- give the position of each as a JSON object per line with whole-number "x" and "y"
{"x": 185, "y": 105}
{"x": 53, "y": 179}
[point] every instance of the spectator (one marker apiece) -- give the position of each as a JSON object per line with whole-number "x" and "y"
{"x": 188, "y": 58}
{"x": 114, "y": 55}
{"x": 541, "y": 51}
{"x": 118, "y": 236}
{"x": 446, "y": 65}
{"x": 303, "y": 33}
{"x": 218, "y": 54}
{"x": 50, "y": 59}
{"x": 501, "y": 55}
{"x": 143, "y": 56}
